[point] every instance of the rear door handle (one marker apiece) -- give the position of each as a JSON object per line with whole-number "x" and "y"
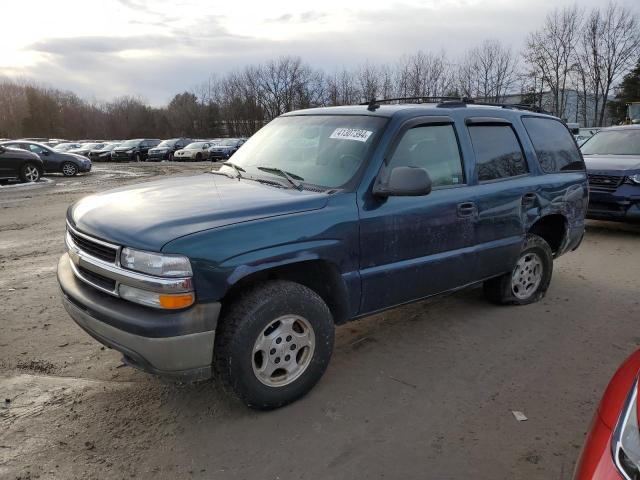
{"x": 529, "y": 198}
{"x": 466, "y": 209}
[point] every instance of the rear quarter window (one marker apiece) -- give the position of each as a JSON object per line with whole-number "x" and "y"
{"x": 555, "y": 148}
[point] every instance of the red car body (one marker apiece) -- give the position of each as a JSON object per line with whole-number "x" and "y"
{"x": 596, "y": 461}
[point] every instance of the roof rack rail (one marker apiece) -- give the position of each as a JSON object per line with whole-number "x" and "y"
{"x": 452, "y": 102}
{"x": 409, "y": 100}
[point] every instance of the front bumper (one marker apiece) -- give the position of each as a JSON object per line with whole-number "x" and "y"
{"x": 121, "y": 156}
{"x": 84, "y": 168}
{"x": 157, "y": 156}
{"x": 220, "y": 154}
{"x": 604, "y": 206}
{"x": 167, "y": 343}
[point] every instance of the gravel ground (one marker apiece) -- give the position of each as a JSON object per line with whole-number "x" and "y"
{"x": 424, "y": 391}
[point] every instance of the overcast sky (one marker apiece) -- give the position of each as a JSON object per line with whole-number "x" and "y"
{"x": 156, "y": 48}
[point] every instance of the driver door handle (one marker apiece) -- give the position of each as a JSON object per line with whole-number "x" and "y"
{"x": 467, "y": 209}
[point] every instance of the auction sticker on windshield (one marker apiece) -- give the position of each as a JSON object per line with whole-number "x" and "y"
{"x": 351, "y": 134}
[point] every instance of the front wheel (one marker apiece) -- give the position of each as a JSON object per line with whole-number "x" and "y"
{"x": 69, "y": 169}
{"x": 273, "y": 344}
{"x": 530, "y": 278}
{"x": 29, "y": 173}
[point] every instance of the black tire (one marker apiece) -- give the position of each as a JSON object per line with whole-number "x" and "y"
{"x": 137, "y": 158}
{"x": 30, "y": 173}
{"x": 170, "y": 158}
{"x": 198, "y": 157}
{"x": 69, "y": 169}
{"x": 502, "y": 290}
{"x": 245, "y": 321}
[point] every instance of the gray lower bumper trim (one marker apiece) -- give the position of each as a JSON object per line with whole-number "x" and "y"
{"x": 187, "y": 356}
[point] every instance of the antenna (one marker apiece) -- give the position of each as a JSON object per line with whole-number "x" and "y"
{"x": 373, "y": 106}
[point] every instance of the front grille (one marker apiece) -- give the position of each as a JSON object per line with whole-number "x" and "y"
{"x": 97, "y": 279}
{"x": 604, "y": 183}
{"x": 94, "y": 249}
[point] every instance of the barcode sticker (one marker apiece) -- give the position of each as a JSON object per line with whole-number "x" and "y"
{"x": 351, "y": 134}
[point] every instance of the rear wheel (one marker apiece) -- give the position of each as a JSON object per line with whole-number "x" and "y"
{"x": 273, "y": 344}
{"x": 137, "y": 158}
{"x": 29, "y": 173}
{"x": 198, "y": 157}
{"x": 69, "y": 169}
{"x": 530, "y": 278}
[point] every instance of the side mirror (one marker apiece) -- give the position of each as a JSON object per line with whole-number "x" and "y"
{"x": 405, "y": 182}
{"x": 45, "y": 152}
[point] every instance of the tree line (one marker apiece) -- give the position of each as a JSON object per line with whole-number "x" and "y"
{"x": 586, "y": 52}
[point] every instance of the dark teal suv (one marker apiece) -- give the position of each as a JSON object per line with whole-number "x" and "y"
{"x": 323, "y": 216}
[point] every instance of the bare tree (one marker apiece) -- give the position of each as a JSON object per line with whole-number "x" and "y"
{"x": 424, "y": 75}
{"x": 550, "y": 52}
{"x": 488, "y": 71}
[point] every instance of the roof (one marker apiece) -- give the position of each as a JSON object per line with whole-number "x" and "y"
{"x": 411, "y": 110}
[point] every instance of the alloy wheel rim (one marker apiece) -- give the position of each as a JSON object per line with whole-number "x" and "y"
{"x": 283, "y": 351}
{"x": 68, "y": 169}
{"x": 31, "y": 173}
{"x": 527, "y": 275}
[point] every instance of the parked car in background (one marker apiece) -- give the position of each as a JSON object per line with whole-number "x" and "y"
{"x": 612, "y": 447}
{"x": 103, "y": 154}
{"x": 21, "y": 164}
{"x": 85, "y": 148}
{"x": 612, "y": 157}
{"x": 54, "y": 161}
{"x": 135, "y": 150}
{"x": 65, "y": 147}
{"x": 167, "y": 149}
{"x": 225, "y": 148}
{"x": 194, "y": 151}
{"x": 323, "y": 216}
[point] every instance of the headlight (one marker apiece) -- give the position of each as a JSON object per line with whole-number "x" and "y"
{"x": 626, "y": 438}
{"x": 635, "y": 178}
{"x": 155, "y": 263}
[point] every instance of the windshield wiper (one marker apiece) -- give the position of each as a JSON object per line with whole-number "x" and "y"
{"x": 291, "y": 177}
{"x": 235, "y": 167}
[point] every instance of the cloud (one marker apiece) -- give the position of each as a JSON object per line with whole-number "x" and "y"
{"x": 76, "y": 45}
{"x": 304, "y": 17}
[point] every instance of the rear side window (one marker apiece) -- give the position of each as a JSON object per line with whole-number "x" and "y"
{"x": 498, "y": 152}
{"x": 434, "y": 148}
{"x": 555, "y": 149}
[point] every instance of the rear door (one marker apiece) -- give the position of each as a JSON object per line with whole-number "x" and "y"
{"x": 503, "y": 192}
{"x": 47, "y": 157}
{"x": 413, "y": 247}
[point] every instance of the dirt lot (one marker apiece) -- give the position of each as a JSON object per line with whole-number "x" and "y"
{"x": 424, "y": 391}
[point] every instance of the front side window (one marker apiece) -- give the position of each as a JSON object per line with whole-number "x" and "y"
{"x": 323, "y": 150}
{"x": 36, "y": 148}
{"x": 555, "y": 149}
{"x": 498, "y": 152}
{"x": 434, "y": 148}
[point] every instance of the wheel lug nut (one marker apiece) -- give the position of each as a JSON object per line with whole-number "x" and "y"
{"x": 278, "y": 340}
{"x": 288, "y": 338}
{"x": 293, "y": 346}
{"x": 287, "y": 358}
{"x": 277, "y": 360}
{"x": 272, "y": 351}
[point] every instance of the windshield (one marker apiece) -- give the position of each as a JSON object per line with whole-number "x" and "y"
{"x": 88, "y": 146}
{"x": 325, "y": 150}
{"x": 229, "y": 142}
{"x": 613, "y": 142}
{"x": 65, "y": 146}
{"x": 130, "y": 143}
{"x": 195, "y": 145}
{"x": 167, "y": 143}
{"x": 110, "y": 146}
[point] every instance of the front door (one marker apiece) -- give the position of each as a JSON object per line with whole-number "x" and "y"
{"x": 413, "y": 247}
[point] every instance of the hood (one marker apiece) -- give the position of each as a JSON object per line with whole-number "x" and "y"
{"x": 148, "y": 215}
{"x": 73, "y": 156}
{"x": 609, "y": 163}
